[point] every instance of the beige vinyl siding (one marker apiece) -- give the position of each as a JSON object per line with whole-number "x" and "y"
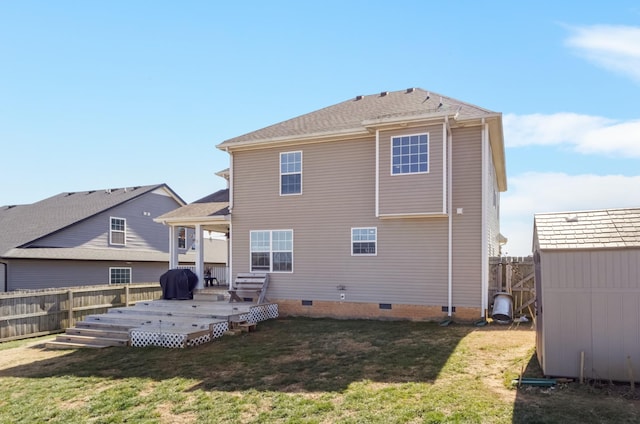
{"x": 467, "y": 227}
{"x": 338, "y": 194}
{"x": 411, "y": 193}
{"x": 591, "y": 303}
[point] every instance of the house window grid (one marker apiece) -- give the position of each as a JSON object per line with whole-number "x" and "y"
{"x": 410, "y": 154}
{"x": 117, "y": 231}
{"x": 290, "y": 173}
{"x": 271, "y": 251}
{"x": 182, "y": 237}
{"x": 364, "y": 241}
{"x": 119, "y": 275}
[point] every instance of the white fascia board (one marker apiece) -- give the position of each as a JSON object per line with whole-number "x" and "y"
{"x": 298, "y": 138}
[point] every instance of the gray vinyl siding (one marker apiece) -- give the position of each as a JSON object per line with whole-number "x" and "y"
{"x": 338, "y": 194}
{"x": 590, "y": 303}
{"x": 28, "y": 274}
{"x": 467, "y": 227}
{"x": 142, "y": 233}
{"x": 412, "y": 193}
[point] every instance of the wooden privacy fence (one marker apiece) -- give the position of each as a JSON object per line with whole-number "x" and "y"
{"x": 514, "y": 275}
{"x": 40, "y": 312}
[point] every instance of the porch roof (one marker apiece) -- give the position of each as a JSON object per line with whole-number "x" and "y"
{"x": 212, "y": 212}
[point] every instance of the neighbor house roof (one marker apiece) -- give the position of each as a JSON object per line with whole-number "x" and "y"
{"x": 608, "y": 228}
{"x": 24, "y": 224}
{"x": 360, "y": 115}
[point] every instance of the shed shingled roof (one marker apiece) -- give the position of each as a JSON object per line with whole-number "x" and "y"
{"x": 597, "y": 229}
{"x": 23, "y": 224}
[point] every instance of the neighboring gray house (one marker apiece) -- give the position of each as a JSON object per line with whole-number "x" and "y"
{"x": 588, "y": 291}
{"x": 381, "y": 206}
{"x": 90, "y": 237}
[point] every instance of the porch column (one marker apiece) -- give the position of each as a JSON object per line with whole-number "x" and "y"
{"x": 173, "y": 248}
{"x": 199, "y": 256}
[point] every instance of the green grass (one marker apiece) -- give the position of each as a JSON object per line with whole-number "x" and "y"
{"x": 306, "y": 371}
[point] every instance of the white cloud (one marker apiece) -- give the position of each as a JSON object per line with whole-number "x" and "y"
{"x": 584, "y": 133}
{"x": 613, "y": 47}
{"x": 536, "y": 192}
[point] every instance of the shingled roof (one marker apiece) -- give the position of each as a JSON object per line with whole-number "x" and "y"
{"x": 23, "y": 224}
{"x": 607, "y": 228}
{"x": 355, "y": 114}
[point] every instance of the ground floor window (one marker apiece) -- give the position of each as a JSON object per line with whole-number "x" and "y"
{"x": 272, "y": 251}
{"x": 364, "y": 241}
{"x": 119, "y": 275}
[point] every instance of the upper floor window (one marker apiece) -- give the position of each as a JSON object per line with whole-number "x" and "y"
{"x": 364, "y": 241}
{"x": 410, "y": 154}
{"x": 272, "y": 251}
{"x": 291, "y": 173}
{"x": 117, "y": 231}
{"x": 119, "y": 275}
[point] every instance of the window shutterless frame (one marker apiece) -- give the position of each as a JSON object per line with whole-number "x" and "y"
{"x": 364, "y": 241}
{"x": 271, "y": 251}
{"x": 117, "y": 231}
{"x": 119, "y": 275}
{"x": 290, "y": 173}
{"x": 410, "y": 154}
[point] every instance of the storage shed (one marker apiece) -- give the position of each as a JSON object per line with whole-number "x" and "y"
{"x": 588, "y": 289}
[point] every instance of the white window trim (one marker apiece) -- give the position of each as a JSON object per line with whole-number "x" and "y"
{"x": 280, "y": 173}
{"x": 352, "y": 241}
{"x": 121, "y": 267}
{"x": 271, "y": 251}
{"x": 391, "y": 154}
{"x": 111, "y": 231}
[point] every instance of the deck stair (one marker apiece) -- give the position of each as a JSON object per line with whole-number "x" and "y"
{"x": 166, "y": 323}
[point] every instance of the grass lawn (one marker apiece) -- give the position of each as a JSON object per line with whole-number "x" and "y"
{"x": 305, "y": 371}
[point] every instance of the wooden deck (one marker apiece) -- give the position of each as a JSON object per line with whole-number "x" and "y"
{"x": 166, "y": 323}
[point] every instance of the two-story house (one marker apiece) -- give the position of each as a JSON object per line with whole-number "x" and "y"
{"x": 383, "y": 205}
{"x": 93, "y": 237}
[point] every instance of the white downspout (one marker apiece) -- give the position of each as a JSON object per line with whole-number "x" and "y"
{"x": 230, "y": 238}
{"x": 449, "y": 170}
{"x": 484, "y": 246}
{"x": 377, "y": 179}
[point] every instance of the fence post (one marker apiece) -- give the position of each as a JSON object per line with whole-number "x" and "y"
{"x": 70, "y": 300}
{"x": 126, "y": 295}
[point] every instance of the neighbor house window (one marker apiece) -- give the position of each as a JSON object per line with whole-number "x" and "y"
{"x": 182, "y": 238}
{"x": 117, "y": 232}
{"x": 410, "y": 154}
{"x": 272, "y": 251}
{"x": 119, "y": 275}
{"x": 291, "y": 173}
{"x": 364, "y": 241}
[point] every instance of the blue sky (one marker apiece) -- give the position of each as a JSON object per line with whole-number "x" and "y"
{"x": 99, "y": 94}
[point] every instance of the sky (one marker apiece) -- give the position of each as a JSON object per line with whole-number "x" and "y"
{"x": 107, "y": 94}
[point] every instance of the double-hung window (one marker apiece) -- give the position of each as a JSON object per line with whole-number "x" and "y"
{"x": 117, "y": 231}
{"x": 290, "y": 173}
{"x": 364, "y": 241}
{"x": 119, "y": 275}
{"x": 410, "y": 154}
{"x": 272, "y": 251}
{"x": 182, "y": 238}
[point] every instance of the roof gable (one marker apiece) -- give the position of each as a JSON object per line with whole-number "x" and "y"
{"x": 354, "y": 114}
{"x": 608, "y": 228}
{"x": 26, "y": 223}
